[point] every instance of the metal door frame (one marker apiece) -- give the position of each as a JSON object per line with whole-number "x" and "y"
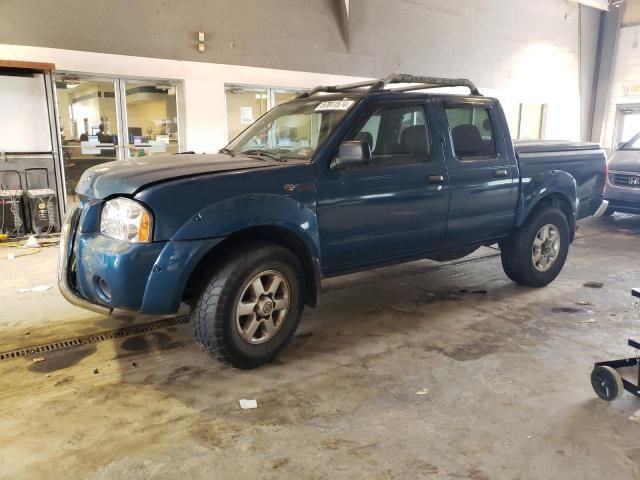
{"x": 618, "y": 124}
{"x": 122, "y": 149}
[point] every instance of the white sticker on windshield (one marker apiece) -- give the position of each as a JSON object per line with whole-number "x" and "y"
{"x": 343, "y": 104}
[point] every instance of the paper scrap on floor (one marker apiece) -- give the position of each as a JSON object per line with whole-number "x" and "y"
{"x": 248, "y": 404}
{"x": 37, "y": 288}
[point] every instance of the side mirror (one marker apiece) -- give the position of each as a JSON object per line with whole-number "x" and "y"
{"x": 352, "y": 153}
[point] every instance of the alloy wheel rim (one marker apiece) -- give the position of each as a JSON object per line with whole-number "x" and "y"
{"x": 263, "y": 306}
{"x": 546, "y": 248}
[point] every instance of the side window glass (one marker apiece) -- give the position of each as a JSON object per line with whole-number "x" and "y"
{"x": 369, "y": 133}
{"x": 471, "y": 131}
{"x": 395, "y": 132}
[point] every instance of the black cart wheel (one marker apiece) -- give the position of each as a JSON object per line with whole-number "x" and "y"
{"x": 607, "y": 383}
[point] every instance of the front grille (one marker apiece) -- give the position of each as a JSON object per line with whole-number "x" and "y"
{"x": 630, "y": 180}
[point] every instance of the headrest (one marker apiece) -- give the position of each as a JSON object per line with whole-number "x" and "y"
{"x": 365, "y": 137}
{"x": 467, "y": 139}
{"x": 414, "y": 140}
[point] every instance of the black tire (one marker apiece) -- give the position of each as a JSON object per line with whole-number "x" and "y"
{"x": 213, "y": 311}
{"x": 607, "y": 383}
{"x": 516, "y": 251}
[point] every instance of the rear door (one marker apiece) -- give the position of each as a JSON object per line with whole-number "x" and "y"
{"x": 483, "y": 175}
{"x": 392, "y": 208}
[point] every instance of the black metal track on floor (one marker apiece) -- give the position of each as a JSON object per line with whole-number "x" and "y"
{"x": 93, "y": 338}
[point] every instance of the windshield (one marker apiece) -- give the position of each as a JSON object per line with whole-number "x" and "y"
{"x": 293, "y": 130}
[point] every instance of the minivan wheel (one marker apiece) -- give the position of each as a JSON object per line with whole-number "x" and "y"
{"x": 250, "y": 306}
{"x": 536, "y": 252}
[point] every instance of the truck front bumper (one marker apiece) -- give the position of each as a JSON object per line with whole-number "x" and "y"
{"x": 100, "y": 274}
{"x": 66, "y": 265}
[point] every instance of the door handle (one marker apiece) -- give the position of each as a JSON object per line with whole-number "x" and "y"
{"x": 500, "y": 172}
{"x": 435, "y": 179}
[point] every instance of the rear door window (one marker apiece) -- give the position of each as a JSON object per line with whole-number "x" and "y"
{"x": 471, "y": 131}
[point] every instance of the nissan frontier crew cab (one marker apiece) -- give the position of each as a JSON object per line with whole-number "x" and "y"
{"x": 344, "y": 178}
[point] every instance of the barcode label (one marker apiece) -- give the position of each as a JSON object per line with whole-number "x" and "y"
{"x": 343, "y": 104}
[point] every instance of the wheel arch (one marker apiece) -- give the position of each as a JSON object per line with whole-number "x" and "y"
{"x": 555, "y": 189}
{"x": 279, "y": 235}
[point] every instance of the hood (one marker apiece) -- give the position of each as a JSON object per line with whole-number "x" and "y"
{"x": 129, "y": 176}
{"x": 625, "y": 161}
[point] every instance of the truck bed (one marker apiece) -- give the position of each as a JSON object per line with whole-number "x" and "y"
{"x": 584, "y": 161}
{"x": 537, "y": 146}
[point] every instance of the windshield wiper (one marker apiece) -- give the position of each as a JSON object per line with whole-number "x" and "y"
{"x": 228, "y": 151}
{"x": 265, "y": 153}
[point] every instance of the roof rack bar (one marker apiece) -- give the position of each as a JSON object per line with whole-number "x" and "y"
{"x": 433, "y": 82}
{"x": 339, "y": 88}
{"x": 419, "y": 83}
{"x": 411, "y": 88}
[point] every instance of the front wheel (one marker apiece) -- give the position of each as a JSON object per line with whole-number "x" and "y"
{"x": 251, "y": 305}
{"x": 535, "y": 253}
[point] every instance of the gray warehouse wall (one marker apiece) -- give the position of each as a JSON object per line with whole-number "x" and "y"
{"x": 475, "y": 38}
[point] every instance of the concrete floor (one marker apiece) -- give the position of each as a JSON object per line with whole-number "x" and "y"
{"x": 401, "y": 373}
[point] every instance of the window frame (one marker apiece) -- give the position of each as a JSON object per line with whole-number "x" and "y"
{"x": 395, "y": 159}
{"x": 270, "y": 98}
{"x": 471, "y": 158}
{"x": 541, "y": 125}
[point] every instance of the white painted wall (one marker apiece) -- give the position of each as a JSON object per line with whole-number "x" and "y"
{"x": 536, "y": 72}
{"x": 23, "y": 115}
{"x": 626, "y": 75}
{"x": 204, "y": 99}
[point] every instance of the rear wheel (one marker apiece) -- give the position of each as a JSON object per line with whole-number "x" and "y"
{"x": 251, "y": 305}
{"x": 535, "y": 253}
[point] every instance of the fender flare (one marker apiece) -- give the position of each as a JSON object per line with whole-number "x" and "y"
{"x": 536, "y": 189}
{"x": 244, "y": 213}
{"x": 222, "y": 219}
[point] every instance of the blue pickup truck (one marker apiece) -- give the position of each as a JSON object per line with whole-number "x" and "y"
{"x": 344, "y": 178}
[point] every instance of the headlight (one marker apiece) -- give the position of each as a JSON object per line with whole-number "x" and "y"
{"x": 126, "y": 220}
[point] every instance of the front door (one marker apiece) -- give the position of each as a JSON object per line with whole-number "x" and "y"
{"x": 396, "y": 206}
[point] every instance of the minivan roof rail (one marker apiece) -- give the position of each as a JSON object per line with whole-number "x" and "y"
{"x": 414, "y": 83}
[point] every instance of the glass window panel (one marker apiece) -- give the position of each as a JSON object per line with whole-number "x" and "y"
{"x": 88, "y": 125}
{"x": 244, "y": 106}
{"x": 152, "y": 118}
{"x": 293, "y": 130}
{"x": 471, "y": 131}
{"x": 280, "y": 97}
{"x": 630, "y": 125}
{"x": 531, "y": 117}
{"x": 396, "y": 131}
